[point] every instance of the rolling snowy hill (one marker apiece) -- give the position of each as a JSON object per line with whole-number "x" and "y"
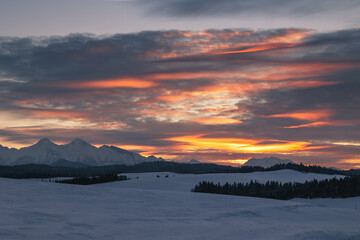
{"x": 266, "y": 162}
{"x": 77, "y": 151}
{"x": 152, "y": 207}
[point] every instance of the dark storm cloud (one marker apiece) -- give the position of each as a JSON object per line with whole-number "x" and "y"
{"x": 339, "y": 46}
{"x": 75, "y": 56}
{"x": 37, "y": 67}
{"x": 80, "y": 58}
{"x": 184, "y": 8}
{"x": 341, "y": 99}
{"x": 334, "y": 47}
{"x": 38, "y": 63}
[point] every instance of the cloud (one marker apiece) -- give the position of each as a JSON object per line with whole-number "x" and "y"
{"x": 310, "y": 115}
{"x": 185, "y": 8}
{"x": 185, "y": 94}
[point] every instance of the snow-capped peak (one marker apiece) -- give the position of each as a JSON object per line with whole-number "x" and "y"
{"x": 78, "y": 151}
{"x": 38, "y": 147}
{"x": 44, "y": 141}
{"x": 77, "y": 142}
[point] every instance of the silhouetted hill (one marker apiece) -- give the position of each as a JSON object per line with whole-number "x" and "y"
{"x": 266, "y": 162}
{"x": 46, "y": 171}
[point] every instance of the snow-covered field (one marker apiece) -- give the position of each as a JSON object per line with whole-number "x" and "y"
{"x": 164, "y": 208}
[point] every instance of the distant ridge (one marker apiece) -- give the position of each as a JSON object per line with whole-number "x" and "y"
{"x": 46, "y": 171}
{"x": 194, "y": 161}
{"x": 66, "y": 163}
{"x": 266, "y": 162}
{"x": 78, "y": 153}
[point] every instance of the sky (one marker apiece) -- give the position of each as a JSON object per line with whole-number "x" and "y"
{"x": 216, "y": 81}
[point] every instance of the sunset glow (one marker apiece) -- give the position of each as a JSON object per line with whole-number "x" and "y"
{"x": 221, "y": 95}
{"x": 193, "y": 142}
{"x": 180, "y": 119}
{"x": 217, "y": 121}
{"x": 351, "y": 161}
{"x": 312, "y": 115}
{"x": 113, "y": 83}
{"x": 258, "y": 49}
{"x": 316, "y": 124}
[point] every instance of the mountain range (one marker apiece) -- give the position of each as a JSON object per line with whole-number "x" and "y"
{"x": 77, "y": 153}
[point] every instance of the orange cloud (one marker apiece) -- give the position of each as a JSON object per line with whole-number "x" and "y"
{"x": 223, "y": 90}
{"x": 171, "y": 97}
{"x": 228, "y": 89}
{"x": 111, "y": 125}
{"x": 291, "y": 71}
{"x": 112, "y": 83}
{"x": 343, "y": 143}
{"x": 77, "y": 116}
{"x": 308, "y": 115}
{"x": 231, "y": 162}
{"x": 291, "y": 35}
{"x": 350, "y": 161}
{"x": 262, "y": 73}
{"x": 193, "y": 43}
{"x": 214, "y": 109}
{"x": 304, "y": 84}
{"x": 258, "y": 48}
{"x": 241, "y": 145}
{"x": 216, "y": 121}
{"x": 228, "y": 35}
{"x": 317, "y": 124}
{"x": 159, "y": 112}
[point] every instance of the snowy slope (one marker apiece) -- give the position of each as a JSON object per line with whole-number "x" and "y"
{"x": 185, "y": 182}
{"x": 47, "y": 152}
{"x": 266, "y": 162}
{"x": 164, "y": 208}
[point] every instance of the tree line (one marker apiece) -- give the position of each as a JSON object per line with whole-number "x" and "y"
{"x": 329, "y": 188}
{"x": 46, "y": 171}
{"x": 93, "y": 180}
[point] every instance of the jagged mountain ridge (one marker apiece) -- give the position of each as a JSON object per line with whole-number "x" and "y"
{"x": 266, "y": 162}
{"x": 77, "y": 151}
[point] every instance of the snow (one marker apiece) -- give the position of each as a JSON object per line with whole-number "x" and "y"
{"x": 164, "y": 208}
{"x": 185, "y": 182}
{"x": 266, "y": 162}
{"x": 79, "y": 151}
